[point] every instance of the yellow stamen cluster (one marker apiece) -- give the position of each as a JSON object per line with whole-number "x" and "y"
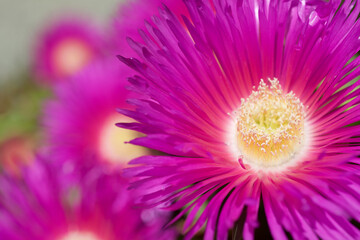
{"x": 270, "y": 126}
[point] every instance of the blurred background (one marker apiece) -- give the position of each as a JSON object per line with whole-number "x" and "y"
{"x": 63, "y": 52}
{"x": 21, "y": 21}
{"x": 21, "y": 97}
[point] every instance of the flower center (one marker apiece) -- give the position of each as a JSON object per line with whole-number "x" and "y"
{"x": 70, "y": 56}
{"x": 75, "y": 235}
{"x": 270, "y": 126}
{"x": 112, "y": 142}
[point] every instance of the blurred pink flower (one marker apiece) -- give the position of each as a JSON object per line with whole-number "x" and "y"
{"x": 65, "y": 47}
{"x": 80, "y": 120}
{"x": 64, "y": 202}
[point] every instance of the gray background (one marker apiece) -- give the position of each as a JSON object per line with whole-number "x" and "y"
{"x": 21, "y": 20}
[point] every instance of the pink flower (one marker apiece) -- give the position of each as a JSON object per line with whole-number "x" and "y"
{"x": 255, "y": 101}
{"x": 80, "y": 120}
{"x": 68, "y": 202}
{"x": 65, "y": 47}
